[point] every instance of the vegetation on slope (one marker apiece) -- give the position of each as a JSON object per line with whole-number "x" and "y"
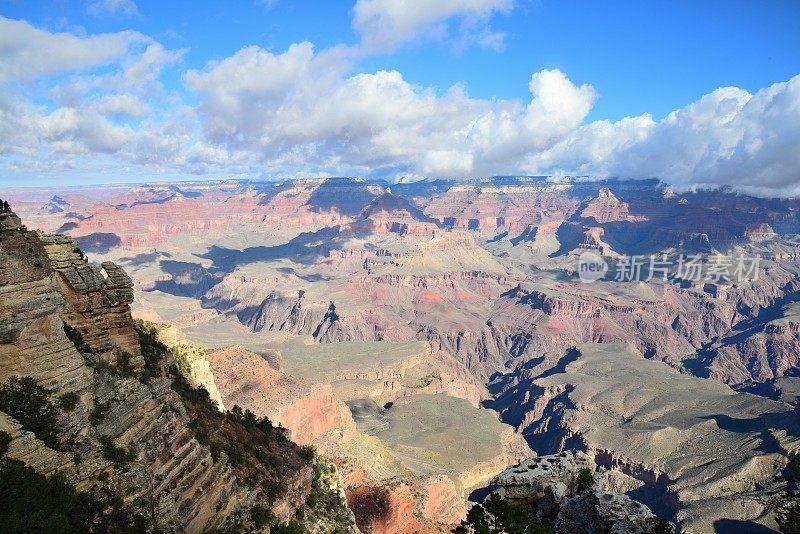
{"x": 28, "y": 402}
{"x": 585, "y": 479}
{"x": 31, "y": 502}
{"x": 498, "y": 515}
{"x": 5, "y": 439}
{"x": 260, "y": 454}
{"x": 77, "y": 339}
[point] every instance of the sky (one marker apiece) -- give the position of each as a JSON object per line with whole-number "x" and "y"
{"x": 699, "y": 94}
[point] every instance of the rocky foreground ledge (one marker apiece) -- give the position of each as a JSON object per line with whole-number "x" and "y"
{"x": 573, "y": 495}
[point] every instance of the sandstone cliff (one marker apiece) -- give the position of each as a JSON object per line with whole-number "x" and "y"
{"x": 133, "y": 435}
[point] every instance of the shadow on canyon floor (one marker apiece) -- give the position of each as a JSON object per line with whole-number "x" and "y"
{"x": 733, "y": 526}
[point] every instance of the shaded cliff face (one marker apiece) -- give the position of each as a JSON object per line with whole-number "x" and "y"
{"x": 766, "y": 350}
{"x": 128, "y": 436}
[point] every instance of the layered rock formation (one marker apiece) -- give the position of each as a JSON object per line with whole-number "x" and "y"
{"x": 764, "y": 352}
{"x": 98, "y": 304}
{"x": 307, "y": 410}
{"x": 168, "y": 480}
{"x": 608, "y": 208}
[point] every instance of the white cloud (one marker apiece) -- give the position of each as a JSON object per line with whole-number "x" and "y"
{"x": 122, "y": 105}
{"x": 386, "y": 24}
{"x": 28, "y": 52}
{"x": 300, "y": 102}
{"x": 100, "y": 109}
{"x": 146, "y": 68}
{"x": 100, "y": 8}
{"x": 301, "y": 112}
{"x": 728, "y": 137}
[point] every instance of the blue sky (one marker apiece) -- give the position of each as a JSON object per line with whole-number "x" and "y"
{"x": 639, "y": 59}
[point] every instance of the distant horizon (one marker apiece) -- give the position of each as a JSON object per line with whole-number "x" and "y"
{"x": 562, "y": 179}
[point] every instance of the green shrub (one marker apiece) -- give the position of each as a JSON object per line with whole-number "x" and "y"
{"x": 153, "y": 351}
{"x": 98, "y": 413}
{"x": 68, "y": 402}
{"x": 585, "y": 479}
{"x": 184, "y": 353}
{"x": 31, "y": 502}
{"x": 273, "y": 490}
{"x": 663, "y": 527}
{"x": 788, "y": 513}
{"x": 307, "y": 453}
{"x": 112, "y": 451}
{"x": 261, "y": 516}
{"x": 28, "y": 402}
{"x": 216, "y": 449}
{"x": 124, "y": 366}
{"x": 426, "y": 381}
{"x": 5, "y": 439}
{"x": 498, "y": 515}
{"x": 292, "y": 527}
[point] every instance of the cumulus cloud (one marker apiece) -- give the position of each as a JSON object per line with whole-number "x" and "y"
{"x": 95, "y": 107}
{"x": 146, "y": 67}
{"x": 727, "y": 137}
{"x": 300, "y": 101}
{"x": 28, "y": 52}
{"x": 386, "y": 24}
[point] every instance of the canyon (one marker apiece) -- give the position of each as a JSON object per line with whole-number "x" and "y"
{"x": 425, "y": 337}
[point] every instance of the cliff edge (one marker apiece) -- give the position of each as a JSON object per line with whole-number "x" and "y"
{"x": 115, "y": 419}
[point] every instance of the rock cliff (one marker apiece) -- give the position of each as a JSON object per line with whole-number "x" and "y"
{"x": 131, "y": 434}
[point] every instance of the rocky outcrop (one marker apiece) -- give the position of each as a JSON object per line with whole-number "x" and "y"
{"x": 388, "y": 213}
{"x": 602, "y": 511}
{"x": 32, "y": 339}
{"x": 97, "y": 306}
{"x": 168, "y": 477}
{"x": 565, "y": 490}
{"x": 529, "y": 479}
{"x": 759, "y": 232}
{"x": 762, "y": 353}
{"x": 608, "y": 208}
